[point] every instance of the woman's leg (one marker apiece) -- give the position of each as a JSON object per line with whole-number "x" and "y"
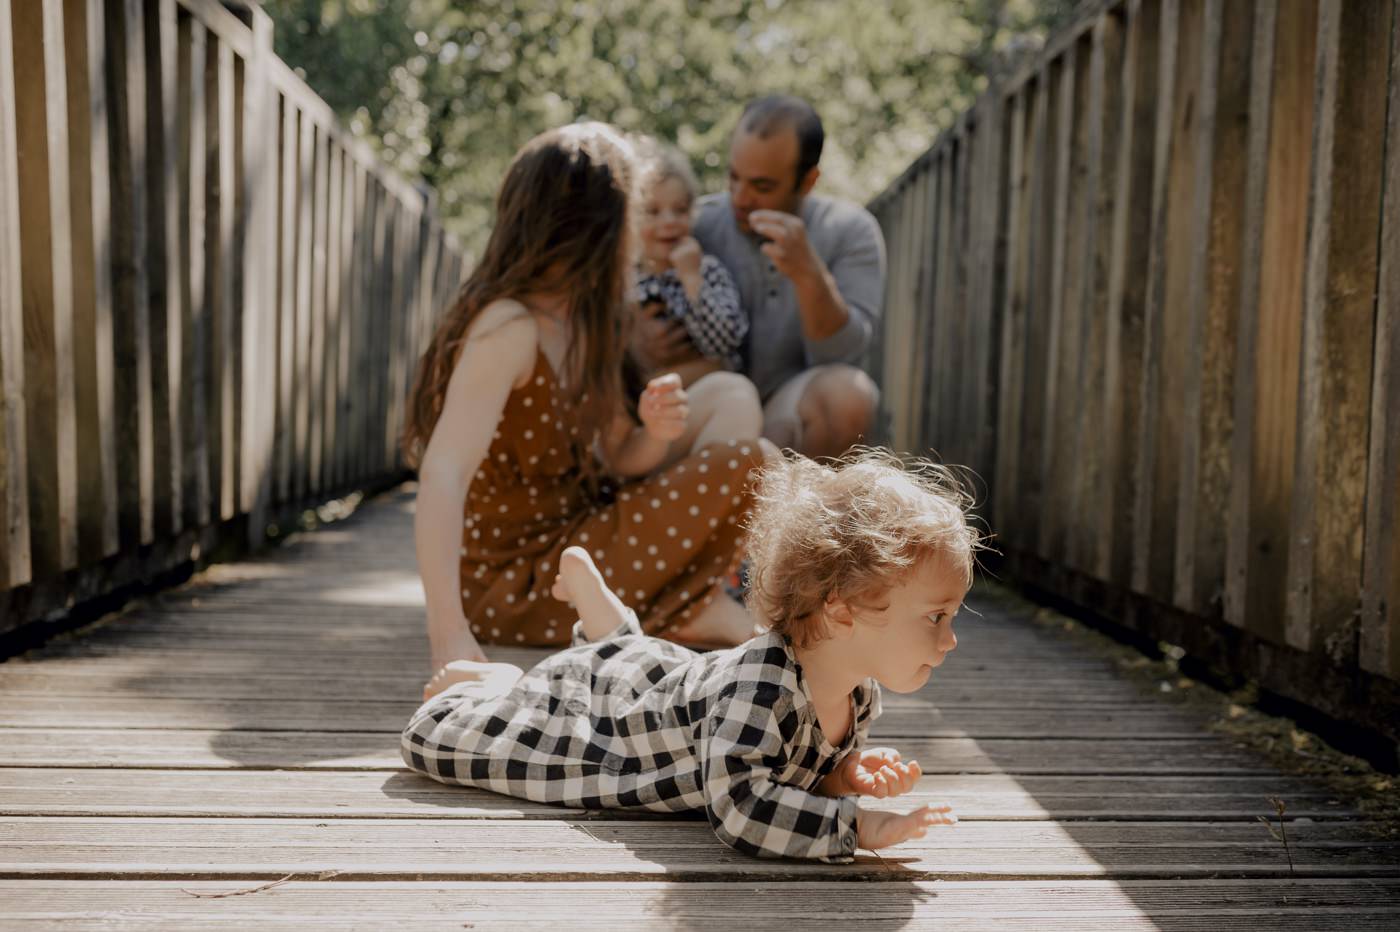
{"x": 722, "y": 623}
{"x": 724, "y": 406}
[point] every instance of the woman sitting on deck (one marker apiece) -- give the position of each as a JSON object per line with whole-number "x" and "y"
{"x": 519, "y": 396}
{"x": 859, "y": 571}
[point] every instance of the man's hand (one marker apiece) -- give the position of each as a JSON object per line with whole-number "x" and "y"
{"x": 877, "y": 772}
{"x": 787, "y": 244}
{"x": 659, "y": 342}
{"x": 876, "y": 830}
{"x": 663, "y": 408}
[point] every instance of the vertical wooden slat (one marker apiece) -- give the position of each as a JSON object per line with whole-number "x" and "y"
{"x": 14, "y": 480}
{"x": 1103, "y": 129}
{"x": 1380, "y": 594}
{"x": 1062, "y": 370}
{"x": 1324, "y": 559}
{"x": 193, "y": 265}
{"x": 897, "y": 321}
{"x": 1132, "y": 223}
{"x": 1154, "y": 510}
{"x": 237, "y": 286}
{"x": 944, "y": 288}
{"x": 388, "y": 318}
{"x": 1237, "y": 532}
{"x": 286, "y": 306}
{"x": 1266, "y": 408}
{"x": 958, "y": 378}
{"x": 85, "y": 44}
{"x": 223, "y": 268}
{"x": 919, "y": 345}
{"x": 335, "y": 222}
{"x": 412, "y": 260}
{"x": 258, "y": 208}
{"x": 1043, "y": 235}
{"x": 1222, "y": 141}
{"x": 317, "y": 345}
{"x": 301, "y": 346}
{"x": 1011, "y": 363}
{"x": 375, "y": 328}
{"x": 349, "y": 270}
{"x": 919, "y": 311}
{"x": 162, "y": 258}
{"x": 46, "y": 283}
{"x": 1011, "y": 359}
{"x": 1074, "y": 323}
{"x": 131, "y": 293}
{"x": 357, "y": 399}
{"x": 986, "y": 208}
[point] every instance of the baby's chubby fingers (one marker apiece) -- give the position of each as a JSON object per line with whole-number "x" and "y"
{"x": 664, "y": 385}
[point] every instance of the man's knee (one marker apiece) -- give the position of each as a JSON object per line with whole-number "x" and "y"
{"x": 730, "y": 389}
{"x": 843, "y": 398}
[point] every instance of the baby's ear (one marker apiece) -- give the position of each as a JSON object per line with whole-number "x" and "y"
{"x": 840, "y": 623}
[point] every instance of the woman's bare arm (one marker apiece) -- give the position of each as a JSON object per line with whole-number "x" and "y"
{"x": 498, "y": 353}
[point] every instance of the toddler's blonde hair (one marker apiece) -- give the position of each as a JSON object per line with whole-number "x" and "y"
{"x": 658, "y": 162}
{"x": 853, "y": 529}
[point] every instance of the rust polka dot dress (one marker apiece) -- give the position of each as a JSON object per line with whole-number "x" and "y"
{"x": 663, "y": 543}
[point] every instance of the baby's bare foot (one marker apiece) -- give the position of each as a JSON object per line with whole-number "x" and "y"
{"x": 497, "y": 678}
{"x": 580, "y": 584}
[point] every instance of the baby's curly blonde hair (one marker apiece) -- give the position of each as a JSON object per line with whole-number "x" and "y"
{"x": 853, "y": 529}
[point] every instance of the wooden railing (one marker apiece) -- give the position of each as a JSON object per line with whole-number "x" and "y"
{"x": 1149, "y": 289}
{"x": 211, "y": 296}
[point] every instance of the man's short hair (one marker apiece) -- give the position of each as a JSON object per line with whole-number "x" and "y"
{"x": 768, "y": 115}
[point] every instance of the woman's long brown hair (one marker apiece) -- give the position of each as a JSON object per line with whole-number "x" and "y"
{"x": 563, "y": 223}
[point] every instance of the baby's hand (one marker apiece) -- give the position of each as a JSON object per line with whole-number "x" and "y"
{"x": 663, "y": 407}
{"x": 685, "y": 258}
{"x": 881, "y": 829}
{"x": 878, "y": 772}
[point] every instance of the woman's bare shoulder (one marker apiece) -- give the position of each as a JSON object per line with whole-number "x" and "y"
{"x": 508, "y": 333}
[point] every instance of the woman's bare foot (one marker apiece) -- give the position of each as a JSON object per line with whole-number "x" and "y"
{"x": 497, "y": 678}
{"x": 722, "y": 623}
{"x": 580, "y": 584}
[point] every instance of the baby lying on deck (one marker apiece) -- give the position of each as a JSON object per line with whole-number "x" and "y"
{"x": 858, "y": 570}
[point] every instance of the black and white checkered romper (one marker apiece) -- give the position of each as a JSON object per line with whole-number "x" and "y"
{"x": 715, "y": 323}
{"x": 631, "y": 721}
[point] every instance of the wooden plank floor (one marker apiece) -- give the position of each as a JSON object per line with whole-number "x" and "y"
{"x": 242, "y": 731}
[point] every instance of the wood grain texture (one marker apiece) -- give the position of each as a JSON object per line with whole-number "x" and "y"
{"x": 15, "y": 554}
{"x": 1380, "y": 596}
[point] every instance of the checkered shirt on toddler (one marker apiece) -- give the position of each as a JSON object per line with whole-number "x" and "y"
{"x": 631, "y": 721}
{"x": 715, "y": 323}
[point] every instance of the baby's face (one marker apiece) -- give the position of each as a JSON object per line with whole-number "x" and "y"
{"x": 901, "y": 643}
{"x": 665, "y": 219}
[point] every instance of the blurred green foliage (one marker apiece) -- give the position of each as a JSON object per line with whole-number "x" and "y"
{"x": 449, "y": 89}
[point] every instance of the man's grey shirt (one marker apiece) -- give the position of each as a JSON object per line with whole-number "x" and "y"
{"x": 845, "y": 237}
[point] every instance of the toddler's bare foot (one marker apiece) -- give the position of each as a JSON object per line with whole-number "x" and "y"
{"x": 580, "y": 584}
{"x": 497, "y": 678}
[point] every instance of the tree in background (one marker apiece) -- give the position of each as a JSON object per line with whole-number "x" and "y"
{"x": 449, "y": 89}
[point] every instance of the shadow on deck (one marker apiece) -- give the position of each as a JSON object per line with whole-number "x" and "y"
{"x": 244, "y": 728}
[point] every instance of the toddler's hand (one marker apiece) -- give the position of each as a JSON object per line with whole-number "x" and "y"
{"x": 663, "y": 408}
{"x": 878, "y": 772}
{"x": 876, "y": 830}
{"x": 685, "y": 258}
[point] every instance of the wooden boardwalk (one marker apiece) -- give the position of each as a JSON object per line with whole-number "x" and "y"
{"x": 244, "y": 728}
